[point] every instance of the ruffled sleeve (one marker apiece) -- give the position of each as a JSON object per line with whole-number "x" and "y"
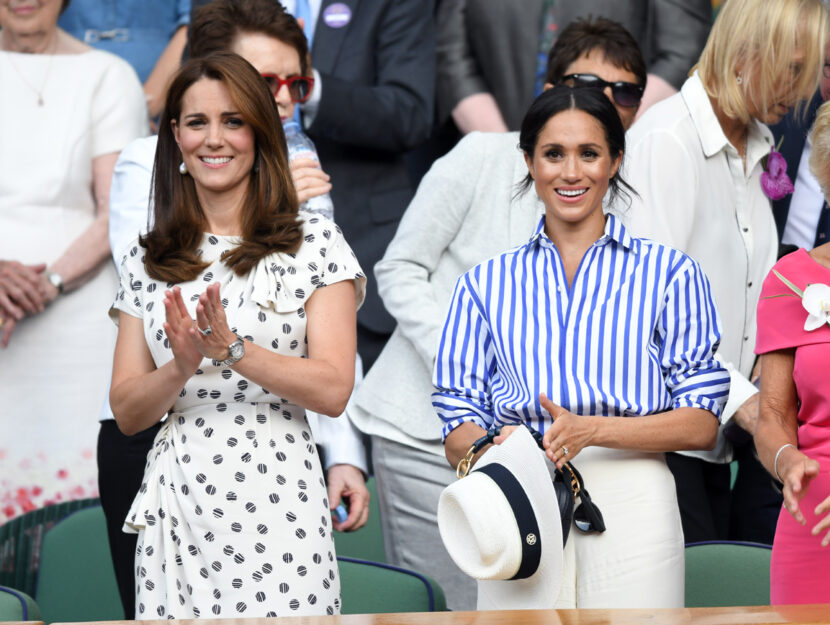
{"x": 132, "y": 278}
{"x": 781, "y": 315}
{"x": 285, "y": 281}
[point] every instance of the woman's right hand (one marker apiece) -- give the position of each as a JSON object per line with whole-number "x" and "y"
{"x": 798, "y": 471}
{"x": 177, "y": 327}
{"x": 309, "y": 179}
{"x": 20, "y": 289}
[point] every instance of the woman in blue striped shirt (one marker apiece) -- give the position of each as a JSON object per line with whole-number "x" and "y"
{"x": 603, "y": 342}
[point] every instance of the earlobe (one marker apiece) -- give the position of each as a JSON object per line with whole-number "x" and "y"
{"x": 615, "y": 167}
{"x": 175, "y": 128}
{"x": 529, "y": 163}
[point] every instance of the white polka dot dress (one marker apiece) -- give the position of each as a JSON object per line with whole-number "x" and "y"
{"x": 232, "y": 514}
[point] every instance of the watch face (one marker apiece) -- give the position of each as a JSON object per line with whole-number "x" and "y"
{"x": 237, "y": 350}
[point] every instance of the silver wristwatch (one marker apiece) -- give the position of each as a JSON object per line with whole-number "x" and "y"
{"x": 236, "y": 351}
{"x": 55, "y": 280}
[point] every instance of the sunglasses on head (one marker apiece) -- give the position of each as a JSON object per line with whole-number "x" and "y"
{"x": 299, "y": 87}
{"x": 626, "y": 94}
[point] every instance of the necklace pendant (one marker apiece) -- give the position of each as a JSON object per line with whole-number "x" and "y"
{"x": 40, "y": 100}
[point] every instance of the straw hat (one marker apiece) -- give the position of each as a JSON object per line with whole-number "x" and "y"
{"x": 501, "y": 526}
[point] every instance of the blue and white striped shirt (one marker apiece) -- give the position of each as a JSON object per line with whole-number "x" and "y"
{"x": 635, "y": 334}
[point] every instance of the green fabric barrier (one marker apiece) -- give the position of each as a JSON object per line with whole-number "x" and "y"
{"x": 722, "y": 574}
{"x": 21, "y": 539}
{"x": 376, "y": 588}
{"x": 17, "y": 606}
{"x": 76, "y": 581}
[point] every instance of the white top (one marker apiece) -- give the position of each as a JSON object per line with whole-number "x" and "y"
{"x": 129, "y": 202}
{"x": 805, "y": 205}
{"x": 55, "y": 371}
{"x": 694, "y": 195}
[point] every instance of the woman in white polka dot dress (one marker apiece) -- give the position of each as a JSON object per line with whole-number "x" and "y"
{"x": 239, "y": 312}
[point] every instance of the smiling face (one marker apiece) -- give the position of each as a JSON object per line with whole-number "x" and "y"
{"x": 217, "y": 144}
{"x": 571, "y": 167}
{"x": 25, "y": 18}
{"x": 271, "y": 56}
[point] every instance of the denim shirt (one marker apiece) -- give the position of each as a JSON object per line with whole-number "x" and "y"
{"x": 136, "y": 30}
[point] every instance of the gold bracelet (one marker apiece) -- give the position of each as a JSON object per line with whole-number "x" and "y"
{"x": 777, "y": 454}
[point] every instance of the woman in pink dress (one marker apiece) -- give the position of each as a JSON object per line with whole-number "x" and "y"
{"x": 793, "y": 435}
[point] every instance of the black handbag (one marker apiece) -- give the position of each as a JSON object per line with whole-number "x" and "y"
{"x": 567, "y": 483}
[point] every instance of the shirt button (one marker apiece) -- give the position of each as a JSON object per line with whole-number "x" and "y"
{"x": 749, "y": 285}
{"x": 745, "y": 229}
{"x": 746, "y": 338}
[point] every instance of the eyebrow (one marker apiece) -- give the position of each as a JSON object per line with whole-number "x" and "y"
{"x": 582, "y": 146}
{"x": 223, "y": 114}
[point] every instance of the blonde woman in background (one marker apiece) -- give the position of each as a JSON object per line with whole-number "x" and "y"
{"x": 793, "y": 435}
{"x": 696, "y": 160}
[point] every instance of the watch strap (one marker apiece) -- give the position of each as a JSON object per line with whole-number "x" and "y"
{"x": 231, "y": 359}
{"x": 56, "y": 281}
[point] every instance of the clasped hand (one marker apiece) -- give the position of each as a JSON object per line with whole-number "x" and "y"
{"x": 797, "y": 476}
{"x": 187, "y": 340}
{"x": 24, "y": 291}
{"x": 567, "y": 432}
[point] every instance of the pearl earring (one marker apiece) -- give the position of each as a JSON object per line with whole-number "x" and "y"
{"x": 182, "y": 168}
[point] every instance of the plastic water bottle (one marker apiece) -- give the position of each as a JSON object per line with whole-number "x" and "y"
{"x": 300, "y": 146}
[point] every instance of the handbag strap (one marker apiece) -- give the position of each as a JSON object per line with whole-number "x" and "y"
{"x": 464, "y": 465}
{"x": 576, "y": 483}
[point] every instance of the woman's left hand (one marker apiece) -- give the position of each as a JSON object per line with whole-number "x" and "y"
{"x": 567, "y": 436}
{"x": 211, "y": 314}
{"x": 506, "y": 431}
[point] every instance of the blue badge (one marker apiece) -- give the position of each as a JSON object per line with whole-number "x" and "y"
{"x": 337, "y": 15}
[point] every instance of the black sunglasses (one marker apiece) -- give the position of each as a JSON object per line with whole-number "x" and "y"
{"x": 587, "y": 516}
{"x": 626, "y": 94}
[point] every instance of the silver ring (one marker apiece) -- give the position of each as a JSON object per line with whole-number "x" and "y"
{"x": 206, "y": 332}
{"x": 564, "y": 450}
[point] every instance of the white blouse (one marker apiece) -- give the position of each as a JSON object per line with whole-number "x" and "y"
{"x": 696, "y": 195}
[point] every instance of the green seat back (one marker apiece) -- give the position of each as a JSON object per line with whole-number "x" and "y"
{"x": 377, "y": 588}
{"x": 727, "y": 574}
{"x": 77, "y": 580}
{"x": 17, "y": 606}
{"x": 367, "y": 542}
{"x": 21, "y": 539}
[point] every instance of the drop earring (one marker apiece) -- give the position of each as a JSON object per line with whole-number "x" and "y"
{"x": 739, "y": 79}
{"x": 182, "y": 168}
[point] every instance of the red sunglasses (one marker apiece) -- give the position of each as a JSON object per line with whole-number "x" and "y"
{"x": 299, "y": 87}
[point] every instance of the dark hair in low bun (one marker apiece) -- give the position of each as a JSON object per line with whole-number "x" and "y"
{"x": 588, "y": 100}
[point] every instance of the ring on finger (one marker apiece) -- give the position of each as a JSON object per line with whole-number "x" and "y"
{"x": 564, "y": 450}
{"x": 206, "y": 332}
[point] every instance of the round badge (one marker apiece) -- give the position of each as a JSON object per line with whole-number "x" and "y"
{"x": 337, "y": 15}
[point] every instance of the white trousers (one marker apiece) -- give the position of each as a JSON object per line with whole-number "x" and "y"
{"x": 638, "y": 562}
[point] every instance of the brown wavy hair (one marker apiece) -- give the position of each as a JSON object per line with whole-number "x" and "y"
{"x": 269, "y": 211}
